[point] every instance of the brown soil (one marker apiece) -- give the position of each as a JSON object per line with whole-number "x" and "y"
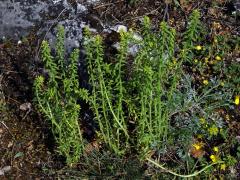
{"x": 25, "y": 140}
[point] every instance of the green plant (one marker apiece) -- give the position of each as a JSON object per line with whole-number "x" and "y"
{"x": 191, "y": 101}
{"x": 154, "y": 106}
{"x": 155, "y": 78}
{"x": 56, "y": 97}
{"x": 150, "y": 93}
{"x": 233, "y": 82}
{"x": 108, "y": 91}
{"x": 194, "y": 30}
{"x": 192, "y": 36}
{"x": 181, "y": 175}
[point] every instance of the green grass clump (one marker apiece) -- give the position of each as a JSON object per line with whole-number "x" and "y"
{"x": 57, "y": 95}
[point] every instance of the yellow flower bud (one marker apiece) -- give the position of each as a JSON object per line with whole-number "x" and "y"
{"x": 198, "y": 47}
{"x": 198, "y": 145}
{"x": 237, "y": 100}
{"x": 202, "y": 120}
{"x": 223, "y": 167}
{"x": 215, "y": 149}
{"x": 205, "y": 82}
{"x": 218, "y": 58}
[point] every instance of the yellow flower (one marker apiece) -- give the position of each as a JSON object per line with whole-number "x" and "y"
{"x": 237, "y": 100}
{"x": 223, "y": 167}
{"x": 218, "y": 58}
{"x": 222, "y": 83}
{"x": 205, "y": 82}
{"x": 198, "y": 47}
{"x": 215, "y": 149}
{"x": 213, "y": 130}
{"x": 195, "y": 60}
{"x": 198, "y": 145}
{"x": 202, "y": 120}
{"x": 214, "y": 158}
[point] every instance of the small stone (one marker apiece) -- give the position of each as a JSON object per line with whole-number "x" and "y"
{"x": 25, "y": 106}
{"x": 81, "y": 8}
{"x": 92, "y": 1}
{"x": 116, "y": 45}
{"x": 119, "y": 28}
{"x": 133, "y": 50}
{"x": 10, "y": 144}
{"x": 56, "y": 1}
{"x": 4, "y": 170}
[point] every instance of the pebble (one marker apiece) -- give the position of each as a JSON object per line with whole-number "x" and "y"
{"x": 92, "y": 1}
{"x": 81, "y": 8}
{"x": 4, "y": 170}
{"x": 25, "y": 106}
{"x": 119, "y": 28}
{"x": 56, "y": 1}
